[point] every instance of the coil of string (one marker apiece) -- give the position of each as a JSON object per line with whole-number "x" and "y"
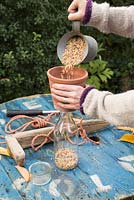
{"x": 40, "y": 122}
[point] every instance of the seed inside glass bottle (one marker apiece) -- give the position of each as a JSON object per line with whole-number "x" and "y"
{"x": 66, "y": 158}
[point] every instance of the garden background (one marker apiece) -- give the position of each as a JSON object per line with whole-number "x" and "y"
{"x": 29, "y": 33}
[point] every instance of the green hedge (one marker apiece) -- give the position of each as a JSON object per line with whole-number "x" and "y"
{"x": 29, "y": 33}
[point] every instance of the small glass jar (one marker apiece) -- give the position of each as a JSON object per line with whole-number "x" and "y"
{"x": 66, "y": 142}
{"x": 40, "y": 173}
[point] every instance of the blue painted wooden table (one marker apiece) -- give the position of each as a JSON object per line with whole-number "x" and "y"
{"x": 104, "y": 171}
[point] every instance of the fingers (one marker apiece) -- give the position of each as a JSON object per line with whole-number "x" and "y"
{"x": 77, "y": 10}
{"x": 75, "y": 16}
{"x": 72, "y": 92}
{"x": 73, "y": 7}
{"x": 65, "y": 87}
{"x": 70, "y": 107}
{"x": 66, "y": 99}
{"x": 67, "y": 96}
{"x": 67, "y": 106}
{"x": 64, "y": 103}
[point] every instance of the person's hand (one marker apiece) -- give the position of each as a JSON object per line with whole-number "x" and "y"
{"x": 77, "y": 10}
{"x": 67, "y": 96}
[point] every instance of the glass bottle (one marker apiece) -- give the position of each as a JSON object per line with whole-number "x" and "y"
{"x": 66, "y": 142}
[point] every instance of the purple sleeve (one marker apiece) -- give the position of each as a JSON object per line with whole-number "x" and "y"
{"x": 88, "y": 12}
{"x": 83, "y": 96}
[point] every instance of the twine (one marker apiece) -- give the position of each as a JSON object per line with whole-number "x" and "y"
{"x": 40, "y": 122}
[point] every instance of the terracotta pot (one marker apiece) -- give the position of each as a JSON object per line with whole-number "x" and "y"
{"x": 54, "y": 75}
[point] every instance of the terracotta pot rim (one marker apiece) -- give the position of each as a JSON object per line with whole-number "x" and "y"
{"x": 67, "y": 80}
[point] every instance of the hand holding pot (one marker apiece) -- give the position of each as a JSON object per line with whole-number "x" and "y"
{"x": 79, "y": 80}
{"x": 67, "y": 96}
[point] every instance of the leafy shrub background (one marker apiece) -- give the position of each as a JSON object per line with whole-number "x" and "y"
{"x": 29, "y": 33}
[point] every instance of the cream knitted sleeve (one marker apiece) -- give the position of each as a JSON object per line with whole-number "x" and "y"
{"x": 117, "y": 109}
{"x": 117, "y": 20}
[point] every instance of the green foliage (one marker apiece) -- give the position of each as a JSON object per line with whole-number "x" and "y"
{"x": 99, "y": 73}
{"x": 98, "y": 70}
{"x": 29, "y": 33}
{"x": 119, "y": 54}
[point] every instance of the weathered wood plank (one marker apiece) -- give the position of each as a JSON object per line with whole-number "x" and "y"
{"x": 25, "y": 137}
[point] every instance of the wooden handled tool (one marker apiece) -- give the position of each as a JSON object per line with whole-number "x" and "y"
{"x": 11, "y": 113}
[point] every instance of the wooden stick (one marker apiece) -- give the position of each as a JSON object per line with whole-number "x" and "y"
{"x": 16, "y": 150}
{"x": 25, "y": 137}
